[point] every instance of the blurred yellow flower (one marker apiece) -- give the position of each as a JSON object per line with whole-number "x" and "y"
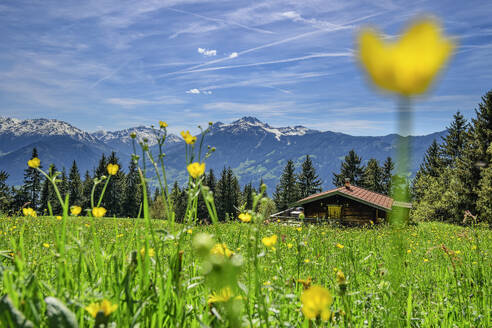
{"x": 307, "y": 260}
{"x": 426, "y": 260}
{"x": 27, "y": 211}
{"x": 340, "y": 278}
{"x": 299, "y": 229}
{"x": 221, "y": 249}
{"x": 409, "y": 251}
{"x": 245, "y": 217}
{"x": 339, "y": 246}
{"x": 58, "y": 217}
{"x": 289, "y": 245}
{"x": 409, "y": 65}
{"x": 224, "y": 295}
{"x": 34, "y": 163}
{"x": 162, "y": 124}
{"x": 306, "y": 283}
{"x": 316, "y": 303}
{"x": 196, "y": 169}
{"x": 269, "y": 241}
{"x": 46, "y": 245}
{"x": 75, "y": 210}
{"x": 105, "y": 307}
{"x": 188, "y": 138}
{"x": 112, "y": 169}
{"x": 151, "y": 252}
{"x": 99, "y": 212}
{"x": 189, "y": 231}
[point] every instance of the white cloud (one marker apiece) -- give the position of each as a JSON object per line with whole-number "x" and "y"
{"x": 233, "y": 55}
{"x": 196, "y": 91}
{"x": 207, "y": 52}
{"x": 131, "y": 102}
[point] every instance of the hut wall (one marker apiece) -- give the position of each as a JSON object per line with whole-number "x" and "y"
{"x": 352, "y": 213}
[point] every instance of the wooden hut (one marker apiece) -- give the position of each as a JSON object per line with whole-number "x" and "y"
{"x": 349, "y": 205}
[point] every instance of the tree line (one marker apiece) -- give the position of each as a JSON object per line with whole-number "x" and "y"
{"x": 454, "y": 181}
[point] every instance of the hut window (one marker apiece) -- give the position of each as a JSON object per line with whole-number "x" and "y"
{"x": 334, "y": 211}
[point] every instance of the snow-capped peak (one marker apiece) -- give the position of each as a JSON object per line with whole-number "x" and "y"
{"x": 248, "y": 123}
{"x": 142, "y": 133}
{"x": 42, "y": 126}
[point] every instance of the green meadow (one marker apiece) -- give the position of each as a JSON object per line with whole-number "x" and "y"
{"x": 429, "y": 275}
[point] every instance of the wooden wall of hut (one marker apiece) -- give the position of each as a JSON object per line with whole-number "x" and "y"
{"x": 352, "y": 213}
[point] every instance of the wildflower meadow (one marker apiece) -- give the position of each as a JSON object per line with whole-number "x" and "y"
{"x": 84, "y": 269}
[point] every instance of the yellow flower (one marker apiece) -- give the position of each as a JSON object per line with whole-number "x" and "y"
{"x": 316, "y": 303}
{"x": 46, "y": 245}
{"x": 112, "y": 169}
{"x": 223, "y": 296}
{"x": 306, "y": 283}
{"x": 75, "y": 210}
{"x": 99, "y": 212}
{"x": 162, "y": 124}
{"x": 27, "y": 211}
{"x": 245, "y": 217}
{"x": 221, "y": 249}
{"x": 289, "y": 245}
{"x": 408, "y": 66}
{"x": 188, "y": 138}
{"x": 151, "y": 252}
{"x": 58, "y": 217}
{"x": 34, "y": 163}
{"x": 299, "y": 229}
{"x": 269, "y": 241}
{"x": 409, "y": 251}
{"x": 339, "y": 246}
{"x": 426, "y": 260}
{"x": 189, "y": 231}
{"x": 105, "y": 307}
{"x": 119, "y": 236}
{"x": 307, "y": 260}
{"x": 474, "y": 247}
{"x": 196, "y": 169}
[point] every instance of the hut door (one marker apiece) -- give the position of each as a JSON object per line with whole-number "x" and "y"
{"x": 334, "y": 211}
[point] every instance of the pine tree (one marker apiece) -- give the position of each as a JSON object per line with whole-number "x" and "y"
{"x": 133, "y": 192}
{"x": 19, "y": 199}
{"x": 350, "y": 169}
{"x": 210, "y": 180}
{"x": 372, "y": 177}
{"x": 227, "y": 195}
{"x": 32, "y": 183}
{"x": 286, "y": 192}
{"x": 454, "y": 142}
{"x": 308, "y": 181}
{"x": 63, "y": 187}
{"x": 388, "y": 168}
{"x": 432, "y": 163}
{"x": 468, "y": 173}
{"x": 75, "y": 188}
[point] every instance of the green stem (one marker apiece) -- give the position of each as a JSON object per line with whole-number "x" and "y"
{"x": 103, "y": 191}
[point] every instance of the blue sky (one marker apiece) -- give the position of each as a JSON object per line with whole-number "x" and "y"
{"x": 116, "y": 64}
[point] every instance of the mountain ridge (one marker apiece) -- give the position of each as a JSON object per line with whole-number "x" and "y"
{"x": 253, "y": 149}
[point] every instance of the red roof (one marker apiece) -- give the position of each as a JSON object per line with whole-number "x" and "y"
{"x": 356, "y": 193}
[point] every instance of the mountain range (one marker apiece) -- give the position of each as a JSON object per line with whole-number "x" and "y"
{"x": 253, "y": 149}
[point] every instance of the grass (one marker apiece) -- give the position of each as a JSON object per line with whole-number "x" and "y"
{"x": 430, "y": 275}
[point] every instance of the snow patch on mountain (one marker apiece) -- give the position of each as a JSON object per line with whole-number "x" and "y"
{"x": 142, "y": 132}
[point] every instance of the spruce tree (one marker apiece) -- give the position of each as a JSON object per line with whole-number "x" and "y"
{"x": 466, "y": 179}
{"x": 388, "y": 168}
{"x": 86, "y": 191}
{"x": 248, "y": 196}
{"x": 484, "y": 199}
{"x": 431, "y": 166}
{"x": 5, "y": 196}
{"x": 372, "y": 177}
{"x": 133, "y": 192}
{"x": 115, "y": 191}
{"x": 308, "y": 181}
{"x": 286, "y": 191}
{"x": 75, "y": 188}
{"x": 19, "y": 200}
{"x": 179, "y": 200}
{"x": 48, "y": 193}
{"x": 454, "y": 142}
{"x": 32, "y": 183}
{"x": 63, "y": 187}
{"x": 350, "y": 169}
